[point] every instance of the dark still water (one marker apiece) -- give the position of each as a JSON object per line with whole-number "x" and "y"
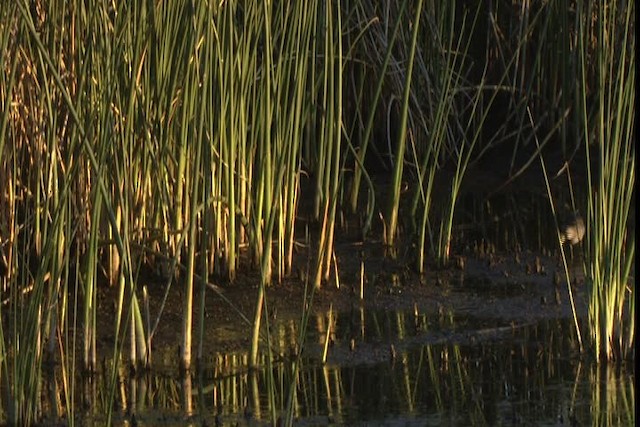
{"x": 383, "y": 368}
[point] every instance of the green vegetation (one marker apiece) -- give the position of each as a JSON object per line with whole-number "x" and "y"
{"x": 178, "y": 136}
{"x": 610, "y": 120}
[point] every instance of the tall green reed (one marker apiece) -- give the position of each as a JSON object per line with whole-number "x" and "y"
{"x": 33, "y": 174}
{"x": 447, "y": 108}
{"x": 277, "y": 112}
{"x": 394, "y": 198}
{"x": 606, "y": 43}
{"x": 599, "y": 46}
{"x": 329, "y": 145}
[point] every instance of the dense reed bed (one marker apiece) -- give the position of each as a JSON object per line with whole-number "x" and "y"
{"x": 177, "y": 136}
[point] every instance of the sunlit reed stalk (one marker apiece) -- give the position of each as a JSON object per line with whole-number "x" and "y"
{"x": 327, "y": 337}
{"x": 207, "y": 186}
{"x": 394, "y": 201}
{"x": 196, "y": 114}
{"x": 281, "y": 115}
{"x": 263, "y": 220}
{"x": 81, "y": 136}
{"x": 330, "y": 142}
{"x": 610, "y": 244}
{"x": 33, "y": 295}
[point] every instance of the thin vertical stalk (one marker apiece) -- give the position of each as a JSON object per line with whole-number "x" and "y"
{"x": 362, "y": 151}
{"x": 330, "y": 144}
{"x": 394, "y": 200}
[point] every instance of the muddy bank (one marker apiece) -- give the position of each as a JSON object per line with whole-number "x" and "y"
{"x": 496, "y": 290}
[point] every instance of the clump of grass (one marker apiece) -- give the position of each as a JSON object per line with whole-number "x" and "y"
{"x": 610, "y": 120}
{"x": 602, "y": 48}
